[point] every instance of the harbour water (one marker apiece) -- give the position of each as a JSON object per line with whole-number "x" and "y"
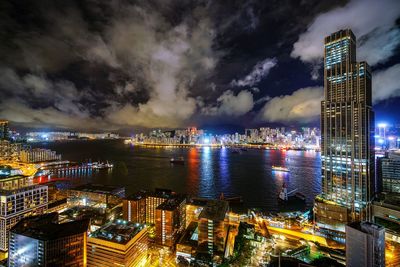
{"x": 207, "y": 172}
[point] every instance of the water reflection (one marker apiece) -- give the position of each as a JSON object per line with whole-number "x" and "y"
{"x": 224, "y": 169}
{"x": 207, "y": 185}
{"x": 193, "y": 165}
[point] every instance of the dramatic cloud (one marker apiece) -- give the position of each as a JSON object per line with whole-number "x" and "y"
{"x": 260, "y": 70}
{"x": 373, "y": 22}
{"x": 303, "y": 105}
{"x": 229, "y": 104}
{"x": 385, "y": 84}
{"x": 138, "y": 43}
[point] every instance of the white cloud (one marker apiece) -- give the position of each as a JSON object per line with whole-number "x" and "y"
{"x": 302, "y": 105}
{"x": 373, "y": 22}
{"x": 385, "y": 83}
{"x": 230, "y": 104}
{"x": 259, "y": 71}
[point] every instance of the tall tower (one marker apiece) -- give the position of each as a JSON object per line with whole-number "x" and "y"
{"x": 347, "y": 139}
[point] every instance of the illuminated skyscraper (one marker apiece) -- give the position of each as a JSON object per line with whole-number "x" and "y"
{"x": 347, "y": 143}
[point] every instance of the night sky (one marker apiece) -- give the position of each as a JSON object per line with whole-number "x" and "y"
{"x": 114, "y": 65}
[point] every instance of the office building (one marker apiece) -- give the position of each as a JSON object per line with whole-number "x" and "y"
{"x": 194, "y": 208}
{"x": 385, "y": 210}
{"x": 42, "y": 241}
{"x": 347, "y": 135}
{"x": 38, "y": 155}
{"x": 4, "y": 130}
{"x": 388, "y": 172}
{"x": 118, "y": 243}
{"x": 19, "y": 198}
{"x": 365, "y": 245}
{"x": 212, "y": 228}
{"x": 141, "y": 207}
{"x": 134, "y": 207}
{"x": 170, "y": 220}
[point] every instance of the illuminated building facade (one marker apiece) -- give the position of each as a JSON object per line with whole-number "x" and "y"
{"x": 193, "y": 209}
{"x": 134, "y": 208}
{"x": 365, "y": 245}
{"x": 38, "y": 155}
{"x": 141, "y": 207}
{"x": 170, "y": 220}
{"x": 19, "y": 199}
{"x": 118, "y": 243}
{"x": 212, "y": 227}
{"x": 4, "y": 130}
{"x": 347, "y": 126}
{"x": 389, "y": 172}
{"x": 41, "y": 241}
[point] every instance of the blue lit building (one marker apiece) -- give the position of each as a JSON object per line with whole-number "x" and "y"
{"x": 347, "y": 135}
{"x": 389, "y": 172}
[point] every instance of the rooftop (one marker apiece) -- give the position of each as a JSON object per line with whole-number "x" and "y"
{"x": 158, "y": 192}
{"x": 215, "y": 210}
{"x": 366, "y": 227}
{"x": 45, "y": 227}
{"x": 118, "y": 231}
{"x": 172, "y": 203}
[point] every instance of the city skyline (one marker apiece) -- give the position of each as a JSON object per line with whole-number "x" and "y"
{"x": 237, "y": 65}
{"x": 200, "y": 133}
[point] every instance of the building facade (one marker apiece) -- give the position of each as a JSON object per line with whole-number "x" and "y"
{"x": 365, "y": 245}
{"x": 213, "y": 228}
{"x": 389, "y": 172}
{"x": 39, "y": 155}
{"x": 170, "y": 221}
{"x": 41, "y": 241}
{"x": 347, "y": 139}
{"x": 19, "y": 199}
{"x": 118, "y": 243}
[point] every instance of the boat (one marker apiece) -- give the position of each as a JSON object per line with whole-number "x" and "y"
{"x": 101, "y": 165}
{"x": 179, "y": 160}
{"x": 280, "y": 168}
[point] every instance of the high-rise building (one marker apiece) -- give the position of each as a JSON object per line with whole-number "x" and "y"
{"x": 389, "y": 172}
{"x": 141, "y": 207}
{"x": 4, "y": 130}
{"x": 19, "y": 198}
{"x": 42, "y": 241}
{"x": 347, "y": 126}
{"x": 118, "y": 243}
{"x": 212, "y": 228}
{"x": 170, "y": 220}
{"x": 134, "y": 207}
{"x": 365, "y": 245}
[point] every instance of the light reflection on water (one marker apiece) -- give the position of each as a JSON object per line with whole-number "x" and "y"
{"x": 208, "y": 171}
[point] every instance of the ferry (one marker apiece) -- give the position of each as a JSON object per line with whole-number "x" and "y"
{"x": 280, "y": 169}
{"x": 179, "y": 160}
{"x": 101, "y": 165}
